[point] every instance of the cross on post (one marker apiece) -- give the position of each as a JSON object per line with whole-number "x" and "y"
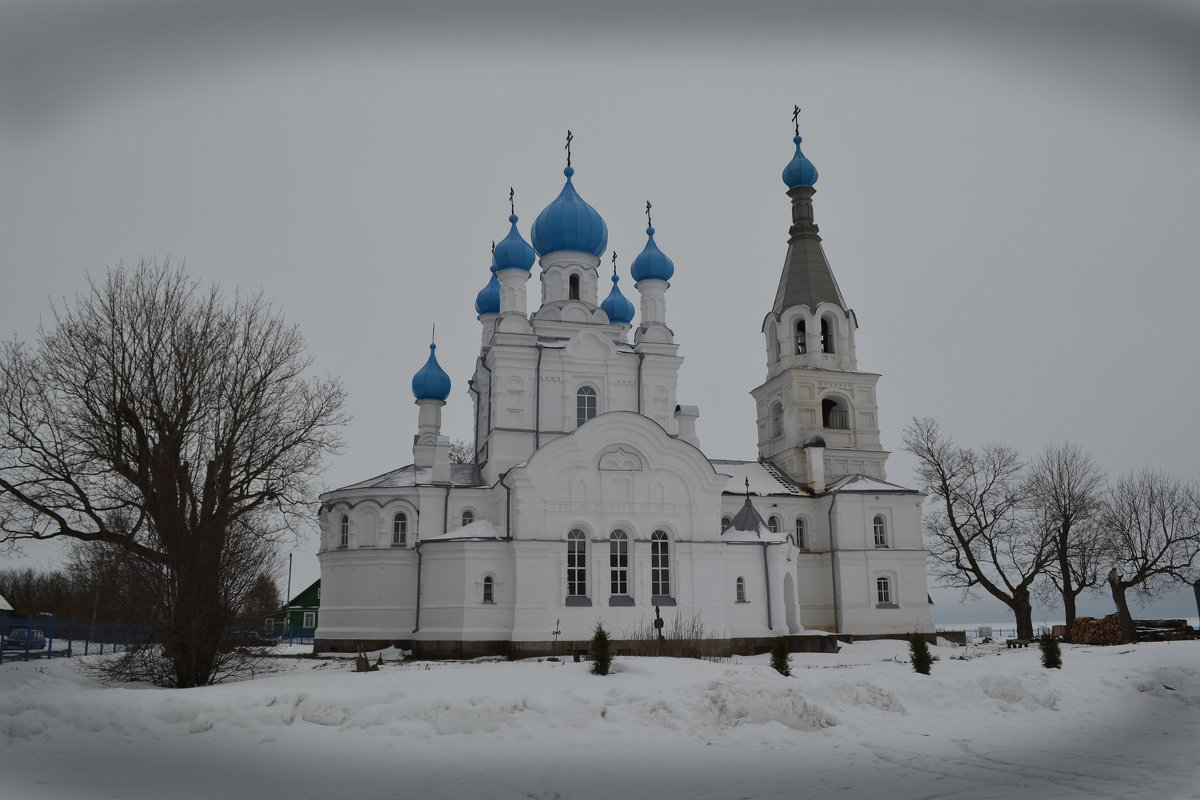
{"x": 658, "y": 623}
{"x": 614, "y": 262}
{"x": 796, "y": 119}
{"x": 649, "y": 224}
{"x": 570, "y": 136}
{"x": 512, "y": 208}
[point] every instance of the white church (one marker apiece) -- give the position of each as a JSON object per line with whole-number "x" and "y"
{"x": 590, "y": 498}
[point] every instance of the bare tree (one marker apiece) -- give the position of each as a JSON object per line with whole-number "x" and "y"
{"x": 1152, "y": 522}
{"x": 1065, "y": 488}
{"x": 461, "y": 452}
{"x": 979, "y": 532}
{"x": 161, "y": 418}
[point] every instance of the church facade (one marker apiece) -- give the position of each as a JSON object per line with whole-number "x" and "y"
{"x": 590, "y": 500}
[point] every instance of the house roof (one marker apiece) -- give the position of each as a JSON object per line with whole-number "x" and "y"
{"x": 4, "y": 604}
{"x": 865, "y": 484}
{"x": 765, "y": 478}
{"x": 412, "y": 475}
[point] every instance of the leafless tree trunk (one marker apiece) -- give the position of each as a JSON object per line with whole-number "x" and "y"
{"x": 160, "y": 418}
{"x": 1152, "y": 525}
{"x": 1065, "y": 488}
{"x": 980, "y": 534}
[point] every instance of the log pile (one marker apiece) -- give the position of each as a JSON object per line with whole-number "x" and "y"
{"x": 1089, "y": 630}
{"x": 1164, "y": 630}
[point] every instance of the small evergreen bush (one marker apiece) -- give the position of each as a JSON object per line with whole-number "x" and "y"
{"x": 601, "y": 654}
{"x": 1051, "y": 654}
{"x": 918, "y": 651}
{"x": 780, "y": 662}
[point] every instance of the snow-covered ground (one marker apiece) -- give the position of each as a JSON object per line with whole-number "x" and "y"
{"x": 1118, "y": 722}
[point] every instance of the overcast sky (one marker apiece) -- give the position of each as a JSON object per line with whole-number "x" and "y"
{"x": 1007, "y": 194}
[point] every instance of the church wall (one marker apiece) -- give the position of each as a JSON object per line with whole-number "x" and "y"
{"x": 367, "y": 595}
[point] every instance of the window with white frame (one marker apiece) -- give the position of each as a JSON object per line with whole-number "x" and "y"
{"x": 660, "y": 564}
{"x": 618, "y": 563}
{"x": 310, "y": 619}
{"x": 489, "y": 589}
{"x": 468, "y": 517}
{"x": 573, "y": 287}
{"x": 576, "y": 564}
{"x": 880, "y": 526}
{"x": 741, "y": 589}
{"x": 400, "y": 529}
{"x": 883, "y": 591}
{"x": 726, "y": 521}
{"x": 827, "y": 334}
{"x": 344, "y": 532}
{"x": 801, "y": 338}
{"x": 585, "y": 404}
{"x": 773, "y": 524}
{"x": 777, "y": 419}
{"x": 802, "y": 533}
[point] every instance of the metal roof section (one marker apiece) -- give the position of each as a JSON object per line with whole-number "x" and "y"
{"x": 479, "y": 530}
{"x": 764, "y": 477}
{"x": 460, "y": 475}
{"x": 749, "y": 526}
{"x": 865, "y": 484}
{"x": 807, "y": 279}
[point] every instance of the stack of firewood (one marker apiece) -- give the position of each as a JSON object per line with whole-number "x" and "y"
{"x": 1089, "y": 630}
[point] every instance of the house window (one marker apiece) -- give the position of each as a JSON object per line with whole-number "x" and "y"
{"x": 618, "y": 563}
{"x": 573, "y": 287}
{"x": 400, "y": 529}
{"x": 777, "y": 419}
{"x": 773, "y": 524}
{"x": 826, "y": 335}
{"x": 489, "y": 589}
{"x": 576, "y": 564}
{"x": 660, "y": 570}
{"x": 801, "y": 338}
{"x": 468, "y": 517}
{"x": 802, "y": 533}
{"x": 310, "y": 619}
{"x": 741, "y": 589}
{"x": 269, "y": 623}
{"x": 585, "y": 404}
{"x": 883, "y": 591}
{"x": 344, "y": 535}
{"x": 880, "y": 526}
{"x": 726, "y": 522}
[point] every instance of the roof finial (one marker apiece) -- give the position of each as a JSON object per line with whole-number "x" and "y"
{"x": 614, "y": 263}
{"x": 649, "y": 224}
{"x": 570, "y": 136}
{"x": 796, "y": 119}
{"x": 433, "y": 334}
{"x": 747, "y": 487}
{"x": 493, "y": 247}
{"x": 512, "y": 207}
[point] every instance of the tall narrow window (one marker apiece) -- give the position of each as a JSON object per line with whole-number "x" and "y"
{"x": 741, "y": 589}
{"x": 802, "y": 533}
{"x": 826, "y": 335}
{"x": 573, "y": 287}
{"x": 777, "y": 419}
{"x": 618, "y": 563}
{"x": 883, "y": 590}
{"x": 400, "y": 529}
{"x": 468, "y": 517}
{"x": 773, "y": 524}
{"x": 660, "y": 569}
{"x": 726, "y": 522}
{"x": 880, "y": 531}
{"x": 585, "y": 404}
{"x": 344, "y": 536}
{"x": 801, "y": 338}
{"x": 576, "y": 564}
{"x": 489, "y": 589}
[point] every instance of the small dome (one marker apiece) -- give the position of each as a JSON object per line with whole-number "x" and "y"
{"x": 431, "y": 382}
{"x": 799, "y": 171}
{"x": 651, "y": 263}
{"x": 569, "y": 223}
{"x": 488, "y": 299}
{"x": 618, "y": 308}
{"x": 816, "y": 440}
{"x": 513, "y": 252}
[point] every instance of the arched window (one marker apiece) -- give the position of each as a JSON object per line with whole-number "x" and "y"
{"x": 802, "y": 533}
{"x": 801, "y": 338}
{"x": 489, "y": 589}
{"x": 726, "y": 522}
{"x": 344, "y": 536}
{"x": 741, "y": 589}
{"x": 777, "y": 419}
{"x": 585, "y": 404}
{"x": 826, "y": 335}
{"x": 660, "y": 565}
{"x": 618, "y": 563}
{"x": 773, "y": 524}
{"x": 835, "y": 414}
{"x": 400, "y": 529}
{"x": 468, "y": 517}
{"x": 883, "y": 591}
{"x": 880, "y": 526}
{"x": 576, "y": 564}
{"x": 573, "y": 287}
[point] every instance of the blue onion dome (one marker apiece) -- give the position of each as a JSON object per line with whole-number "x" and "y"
{"x": 431, "y": 382}
{"x": 569, "y": 224}
{"x": 488, "y": 299}
{"x": 799, "y": 171}
{"x": 619, "y": 309}
{"x": 513, "y": 252}
{"x": 651, "y": 263}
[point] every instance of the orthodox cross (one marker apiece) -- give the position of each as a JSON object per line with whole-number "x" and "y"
{"x": 570, "y": 136}
{"x": 614, "y": 262}
{"x": 796, "y": 119}
{"x": 658, "y": 622}
{"x": 649, "y": 224}
{"x": 747, "y": 487}
{"x": 493, "y": 248}
{"x": 512, "y": 208}
{"x": 556, "y": 633}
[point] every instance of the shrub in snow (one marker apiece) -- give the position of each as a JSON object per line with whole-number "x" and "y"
{"x": 1051, "y": 654}
{"x": 780, "y": 661}
{"x": 601, "y": 655}
{"x": 918, "y": 650}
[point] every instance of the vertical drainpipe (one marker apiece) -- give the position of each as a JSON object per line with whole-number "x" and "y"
{"x": 417, "y": 621}
{"x": 537, "y": 399}
{"x": 507, "y": 505}
{"x": 767, "y": 577}
{"x": 837, "y": 603}
{"x": 641, "y": 358}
